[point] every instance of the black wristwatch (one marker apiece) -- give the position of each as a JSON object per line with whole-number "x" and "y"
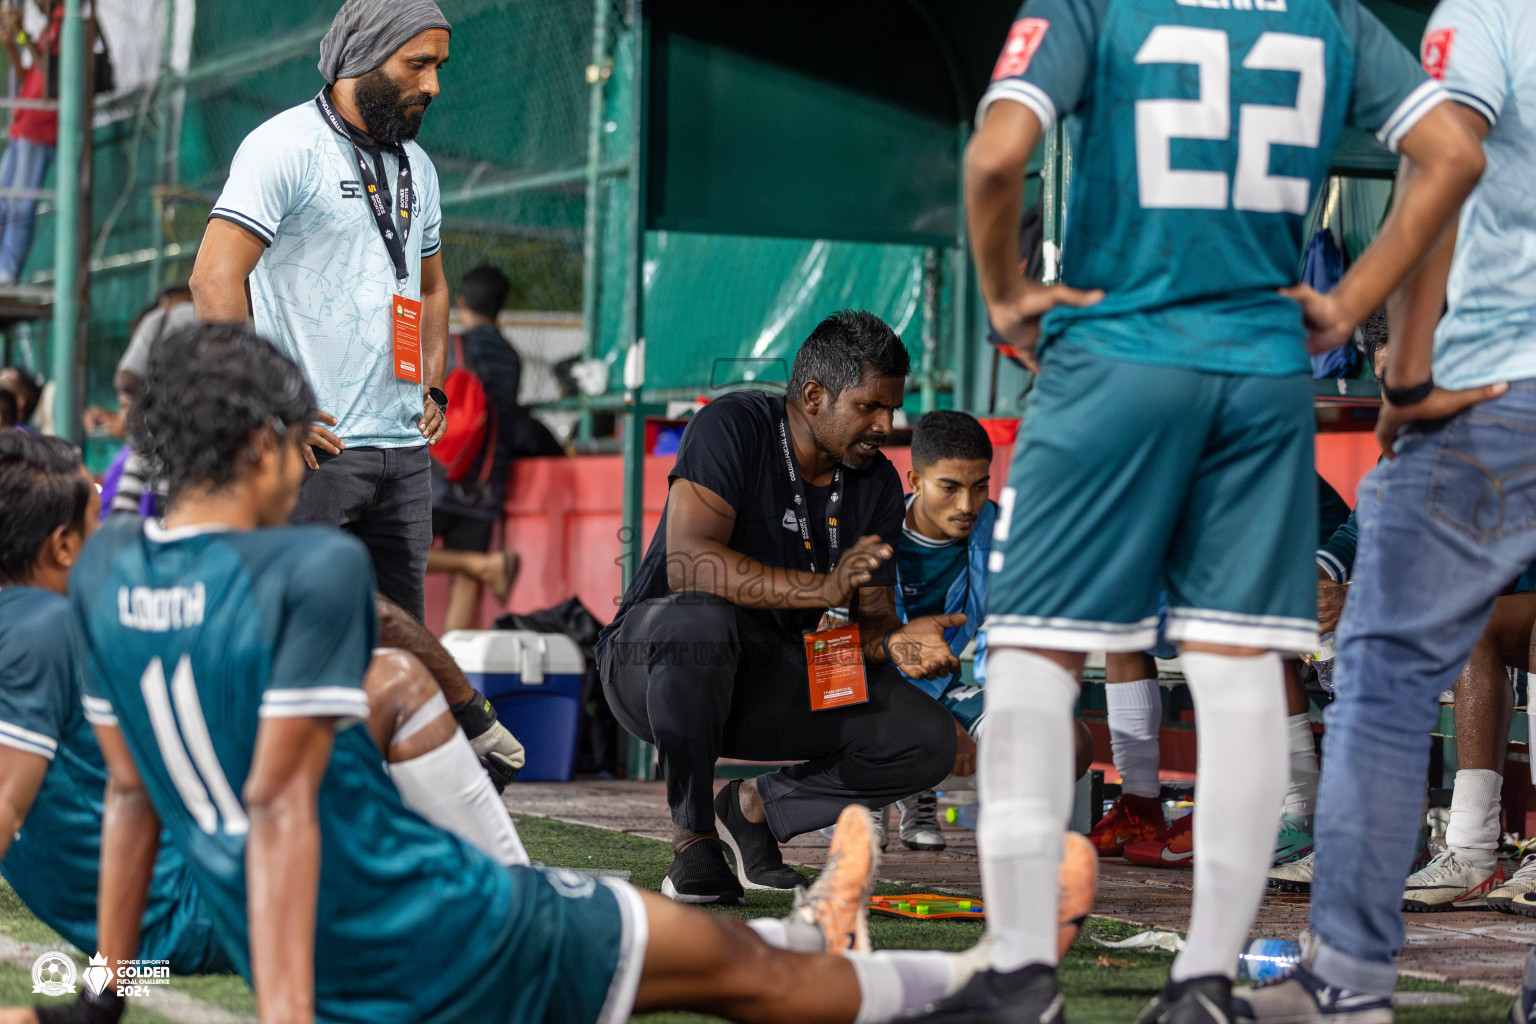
{"x": 1408, "y": 396}
{"x": 438, "y": 398}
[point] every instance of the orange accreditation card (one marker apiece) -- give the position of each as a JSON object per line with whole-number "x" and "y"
{"x": 406, "y": 316}
{"x": 835, "y": 661}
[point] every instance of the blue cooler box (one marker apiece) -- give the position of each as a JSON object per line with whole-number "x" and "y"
{"x": 533, "y": 681}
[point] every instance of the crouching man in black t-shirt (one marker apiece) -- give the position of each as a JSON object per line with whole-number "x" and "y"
{"x": 778, "y": 510}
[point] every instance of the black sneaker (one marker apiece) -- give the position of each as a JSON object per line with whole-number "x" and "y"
{"x": 1205, "y": 1000}
{"x": 699, "y": 874}
{"x": 1029, "y": 995}
{"x": 759, "y": 864}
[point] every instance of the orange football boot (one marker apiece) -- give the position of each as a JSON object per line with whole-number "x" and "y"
{"x": 1176, "y": 851}
{"x": 1131, "y": 819}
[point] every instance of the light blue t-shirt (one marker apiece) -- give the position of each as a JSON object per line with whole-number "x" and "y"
{"x": 322, "y": 288}
{"x": 1484, "y": 53}
{"x": 1201, "y": 130}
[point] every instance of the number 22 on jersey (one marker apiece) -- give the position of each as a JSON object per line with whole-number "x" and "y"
{"x": 1260, "y": 126}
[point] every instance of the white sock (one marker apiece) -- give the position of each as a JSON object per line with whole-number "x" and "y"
{"x": 1301, "y": 797}
{"x": 894, "y": 981}
{"x": 1025, "y": 769}
{"x": 771, "y": 930}
{"x": 1239, "y": 787}
{"x": 1135, "y": 713}
{"x": 447, "y": 786}
{"x": 1475, "y": 806}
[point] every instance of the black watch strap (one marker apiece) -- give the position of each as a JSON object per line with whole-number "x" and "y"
{"x": 438, "y": 398}
{"x": 1408, "y": 396}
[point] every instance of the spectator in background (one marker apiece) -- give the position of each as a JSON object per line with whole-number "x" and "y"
{"x": 464, "y": 513}
{"x": 7, "y": 409}
{"x": 34, "y": 133}
{"x": 171, "y": 311}
{"x": 24, "y": 387}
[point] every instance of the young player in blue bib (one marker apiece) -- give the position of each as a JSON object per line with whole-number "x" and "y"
{"x": 51, "y": 773}
{"x": 1168, "y": 442}
{"x": 941, "y": 569}
{"x": 224, "y": 658}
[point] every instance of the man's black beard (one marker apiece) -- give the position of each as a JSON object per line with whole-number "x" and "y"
{"x": 383, "y": 108}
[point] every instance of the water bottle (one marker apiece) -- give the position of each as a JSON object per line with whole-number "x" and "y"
{"x": 1322, "y": 661}
{"x": 966, "y": 815}
{"x": 1266, "y": 959}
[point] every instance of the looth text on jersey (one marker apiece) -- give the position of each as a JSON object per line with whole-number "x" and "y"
{"x": 161, "y": 609}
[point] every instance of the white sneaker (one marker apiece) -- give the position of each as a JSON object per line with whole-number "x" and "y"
{"x": 1452, "y": 879}
{"x": 1521, "y": 883}
{"x": 1295, "y": 876}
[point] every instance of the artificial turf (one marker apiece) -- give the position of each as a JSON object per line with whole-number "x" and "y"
{"x": 1102, "y": 986}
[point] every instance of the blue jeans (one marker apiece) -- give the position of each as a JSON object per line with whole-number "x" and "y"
{"x": 1444, "y": 528}
{"x": 24, "y": 165}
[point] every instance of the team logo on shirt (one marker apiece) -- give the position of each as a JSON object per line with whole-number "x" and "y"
{"x": 1023, "y": 40}
{"x": 1437, "y": 52}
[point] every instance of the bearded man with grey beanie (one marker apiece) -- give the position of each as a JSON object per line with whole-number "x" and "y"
{"x": 329, "y": 221}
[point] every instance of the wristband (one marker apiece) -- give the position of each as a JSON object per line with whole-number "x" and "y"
{"x": 474, "y": 715}
{"x": 1407, "y": 396}
{"x": 885, "y": 645}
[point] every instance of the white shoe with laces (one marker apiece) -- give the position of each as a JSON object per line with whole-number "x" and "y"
{"x": 1521, "y": 883}
{"x": 1454, "y": 878}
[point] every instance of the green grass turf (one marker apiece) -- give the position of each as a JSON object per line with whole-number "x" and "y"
{"x": 1102, "y": 986}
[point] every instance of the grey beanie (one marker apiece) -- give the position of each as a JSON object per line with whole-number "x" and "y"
{"x": 366, "y": 32}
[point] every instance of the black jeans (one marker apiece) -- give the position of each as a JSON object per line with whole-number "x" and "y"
{"x": 384, "y": 497}
{"x": 702, "y": 678}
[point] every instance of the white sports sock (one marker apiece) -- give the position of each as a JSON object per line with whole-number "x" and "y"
{"x": 447, "y": 786}
{"x": 893, "y": 981}
{"x": 1239, "y": 787}
{"x": 1135, "y": 713}
{"x": 1475, "y": 806}
{"x": 1025, "y": 769}
{"x": 771, "y": 930}
{"x": 1301, "y": 796}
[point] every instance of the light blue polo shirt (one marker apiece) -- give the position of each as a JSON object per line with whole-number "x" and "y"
{"x": 1484, "y": 52}
{"x": 322, "y": 288}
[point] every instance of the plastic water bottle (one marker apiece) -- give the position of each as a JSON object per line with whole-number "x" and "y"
{"x": 1265, "y": 959}
{"x": 1322, "y": 660}
{"x": 966, "y": 815}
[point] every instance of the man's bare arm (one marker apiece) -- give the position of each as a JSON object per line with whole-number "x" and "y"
{"x": 699, "y": 526}
{"x": 282, "y": 864}
{"x": 130, "y": 839}
{"x": 225, "y": 259}
{"x": 398, "y": 629}
{"x": 1447, "y": 162}
{"x": 435, "y": 300}
{"x": 21, "y": 776}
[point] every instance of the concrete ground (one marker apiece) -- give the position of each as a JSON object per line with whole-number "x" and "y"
{"x": 1477, "y": 947}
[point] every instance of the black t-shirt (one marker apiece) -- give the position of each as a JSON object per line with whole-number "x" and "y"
{"x": 731, "y": 446}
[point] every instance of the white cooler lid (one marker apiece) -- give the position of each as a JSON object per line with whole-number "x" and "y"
{"x": 518, "y": 652}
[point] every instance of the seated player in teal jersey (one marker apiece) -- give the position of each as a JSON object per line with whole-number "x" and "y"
{"x": 52, "y": 776}
{"x": 51, "y": 772}
{"x": 1168, "y": 441}
{"x": 941, "y": 569}
{"x": 232, "y": 721}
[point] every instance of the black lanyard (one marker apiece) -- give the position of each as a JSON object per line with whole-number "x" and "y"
{"x": 376, "y": 199}
{"x": 834, "y": 501}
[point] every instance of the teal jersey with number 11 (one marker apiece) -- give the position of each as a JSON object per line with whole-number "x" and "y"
{"x": 1201, "y": 131}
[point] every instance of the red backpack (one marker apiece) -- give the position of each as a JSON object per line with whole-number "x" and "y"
{"x": 471, "y": 432}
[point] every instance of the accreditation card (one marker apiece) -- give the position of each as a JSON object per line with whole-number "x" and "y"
{"x": 834, "y": 659}
{"x": 406, "y": 315}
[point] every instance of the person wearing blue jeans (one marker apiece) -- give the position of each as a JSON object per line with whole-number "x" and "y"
{"x": 24, "y": 166}
{"x": 1446, "y": 523}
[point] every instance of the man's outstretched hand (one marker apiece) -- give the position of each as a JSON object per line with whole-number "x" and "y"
{"x": 920, "y": 650}
{"x": 1438, "y": 405}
